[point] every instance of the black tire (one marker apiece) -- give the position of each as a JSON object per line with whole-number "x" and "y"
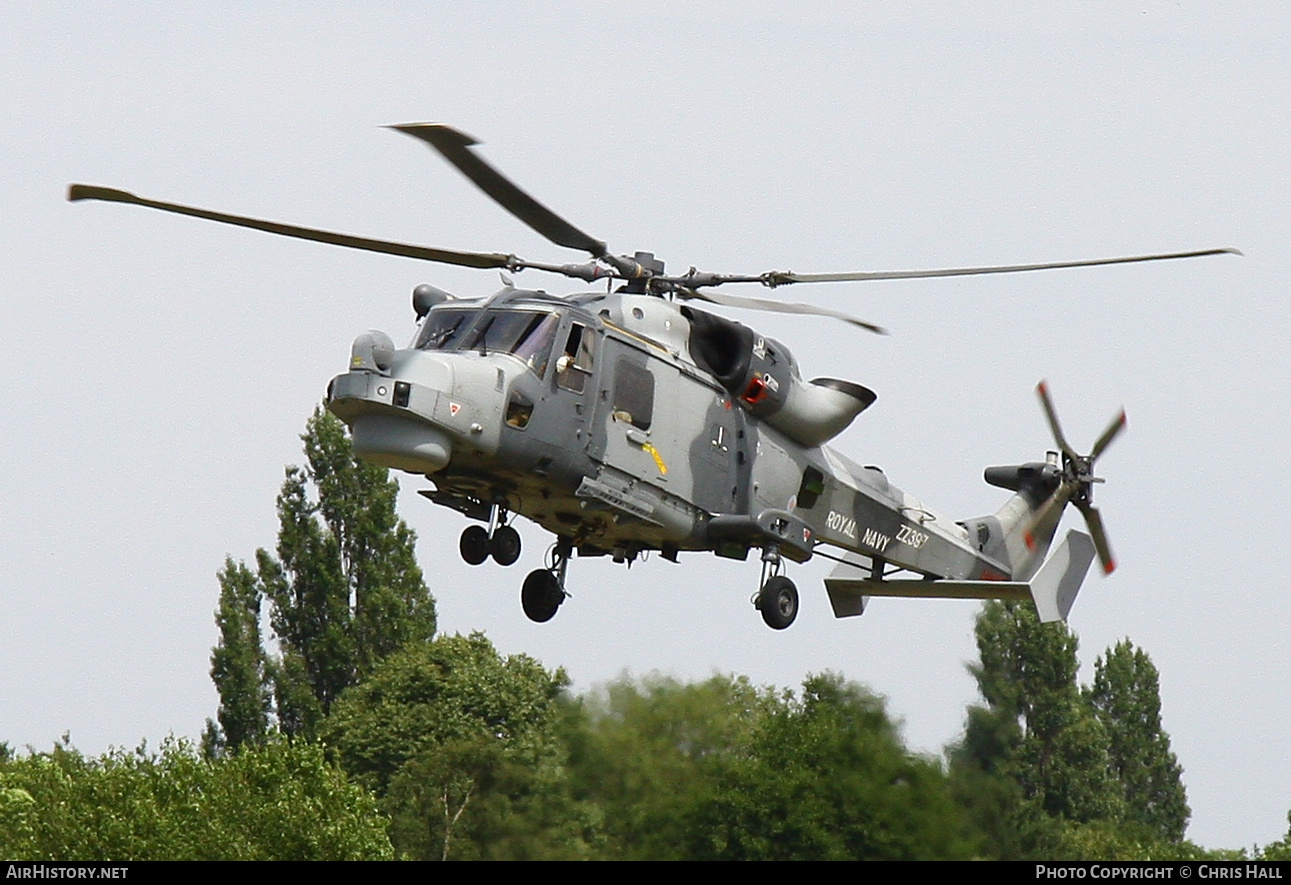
{"x": 504, "y": 546}
{"x": 541, "y": 595}
{"x": 778, "y": 602}
{"x": 474, "y": 544}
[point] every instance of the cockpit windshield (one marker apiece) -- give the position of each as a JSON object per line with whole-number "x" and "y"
{"x": 443, "y": 329}
{"x": 525, "y": 334}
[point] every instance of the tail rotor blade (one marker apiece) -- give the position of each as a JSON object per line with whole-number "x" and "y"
{"x": 1113, "y": 430}
{"x": 1043, "y": 390}
{"x": 1050, "y": 509}
{"x": 1094, "y": 521}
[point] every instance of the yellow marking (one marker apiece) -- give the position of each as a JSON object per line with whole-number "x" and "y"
{"x": 658, "y": 459}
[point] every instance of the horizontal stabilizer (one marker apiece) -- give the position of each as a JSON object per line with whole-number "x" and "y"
{"x": 1053, "y": 589}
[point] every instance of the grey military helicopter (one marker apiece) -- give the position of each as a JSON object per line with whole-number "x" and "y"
{"x": 632, "y": 419}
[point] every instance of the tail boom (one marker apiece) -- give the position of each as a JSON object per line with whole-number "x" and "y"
{"x": 1052, "y": 589}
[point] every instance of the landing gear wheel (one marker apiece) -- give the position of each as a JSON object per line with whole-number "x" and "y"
{"x": 541, "y": 595}
{"x": 778, "y": 602}
{"x": 505, "y": 545}
{"x": 474, "y": 544}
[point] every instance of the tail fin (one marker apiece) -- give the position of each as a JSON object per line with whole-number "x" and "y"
{"x": 1013, "y": 535}
{"x": 1055, "y": 585}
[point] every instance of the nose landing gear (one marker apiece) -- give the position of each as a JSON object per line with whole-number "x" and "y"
{"x": 499, "y": 540}
{"x": 504, "y": 546}
{"x": 474, "y": 544}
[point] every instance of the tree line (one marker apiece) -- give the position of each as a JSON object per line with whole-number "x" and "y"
{"x": 354, "y": 730}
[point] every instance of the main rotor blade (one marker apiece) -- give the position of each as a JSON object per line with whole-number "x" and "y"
{"x": 1113, "y": 429}
{"x": 1043, "y": 390}
{"x": 776, "y": 278}
{"x": 1095, "y": 522}
{"x": 780, "y": 307}
{"x": 455, "y": 147}
{"x": 444, "y": 256}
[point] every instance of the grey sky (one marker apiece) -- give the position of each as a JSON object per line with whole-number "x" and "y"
{"x": 162, "y": 368}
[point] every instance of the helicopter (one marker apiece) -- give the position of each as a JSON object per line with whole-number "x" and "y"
{"x": 632, "y": 420}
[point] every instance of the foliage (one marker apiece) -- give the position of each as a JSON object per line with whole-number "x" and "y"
{"x": 463, "y": 746}
{"x": 721, "y": 770}
{"x": 641, "y": 749}
{"x": 1050, "y": 771}
{"x": 1126, "y": 698}
{"x": 274, "y": 802}
{"x": 239, "y": 666}
{"x": 344, "y": 592}
{"x": 1279, "y": 850}
{"x": 826, "y": 777}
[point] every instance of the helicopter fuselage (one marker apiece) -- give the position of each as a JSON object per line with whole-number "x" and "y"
{"x": 594, "y": 418}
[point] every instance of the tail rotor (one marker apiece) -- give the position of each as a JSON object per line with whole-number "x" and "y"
{"x": 1076, "y": 484}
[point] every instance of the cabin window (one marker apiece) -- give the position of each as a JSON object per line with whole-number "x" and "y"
{"x": 633, "y": 394}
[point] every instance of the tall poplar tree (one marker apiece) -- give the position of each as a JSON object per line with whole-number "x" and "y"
{"x": 344, "y": 589}
{"x": 1127, "y": 700}
{"x": 1037, "y": 730}
{"x": 239, "y": 667}
{"x": 1050, "y": 769}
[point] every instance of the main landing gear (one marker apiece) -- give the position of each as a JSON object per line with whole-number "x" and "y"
{"x": 778, "y": 598}
{"x": 544, "y": 589}
{"x": 499, "y": 540}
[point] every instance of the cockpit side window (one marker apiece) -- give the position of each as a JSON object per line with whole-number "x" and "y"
{"x": 575, "y": 364}
{"x": 534, "y": 344}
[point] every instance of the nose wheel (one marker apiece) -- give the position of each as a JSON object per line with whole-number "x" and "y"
{"x": 504, "y": 546}
{"x": 500, "y": 541}
{"x": 474, "y": 544}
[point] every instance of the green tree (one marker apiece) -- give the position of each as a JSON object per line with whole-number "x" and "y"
{"x": 1036, "y": 755}
{"x": 277, "y": 801}
{"x": 724, "y": 770}
{"x": 642, "y": 752}
{"x": 1028, "y": 673}
{"x": 826, "y": 777}
{"x": 1051, "y": 770}
{"x": 1126, "y": 698}
{"x": 1280, "y": 850}
{"x": 239, "y": 666}
{"x": 344, "y": 592}
{"x": 464, "y": 748}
